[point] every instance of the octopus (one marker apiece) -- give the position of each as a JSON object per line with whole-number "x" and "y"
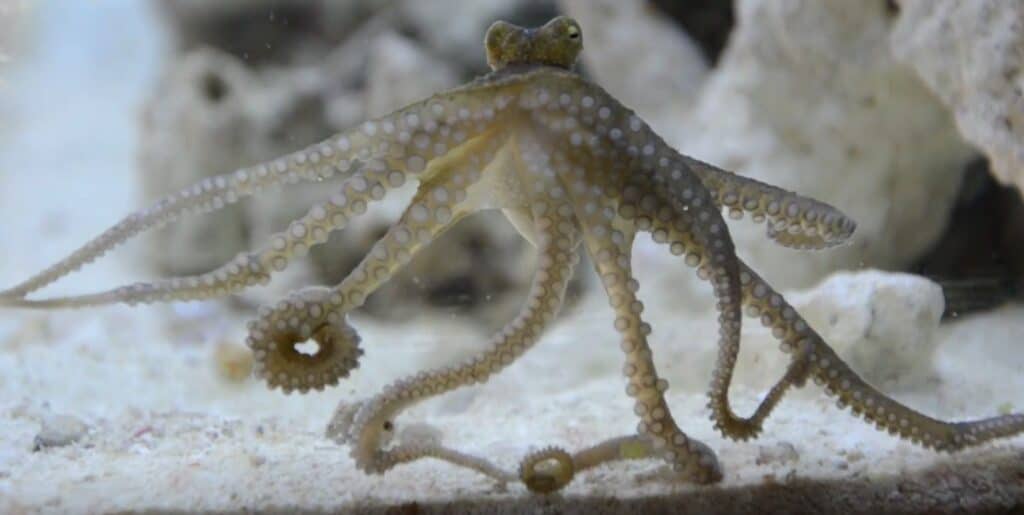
{"x": 571, "y": 168}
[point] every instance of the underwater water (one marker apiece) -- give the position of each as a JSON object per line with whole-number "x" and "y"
{"x": 108, "y": 106}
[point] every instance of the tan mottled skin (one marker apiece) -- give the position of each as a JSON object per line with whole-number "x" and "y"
{"x": 570, "y": 166}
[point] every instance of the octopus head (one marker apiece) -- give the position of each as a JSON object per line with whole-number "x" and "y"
{"x": 557, "y": 43}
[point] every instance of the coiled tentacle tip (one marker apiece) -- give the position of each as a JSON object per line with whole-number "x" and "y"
{"x": 275, "y": 336}
{"x": 547, "y": 470}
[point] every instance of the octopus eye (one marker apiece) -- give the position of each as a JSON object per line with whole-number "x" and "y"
{"x": 574, "y": 32}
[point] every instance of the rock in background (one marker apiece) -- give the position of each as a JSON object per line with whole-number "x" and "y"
{"x": 808, "y": 96}
{"x": 971, "y": 55}
{"x": 265, "y": 32}
{"x": 200, "y": 121}
{"x": 884, "y": 324}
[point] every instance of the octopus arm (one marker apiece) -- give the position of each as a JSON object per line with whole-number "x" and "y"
{"x": 439, "y": 204}
{"x": 550, "y": 469}
{"x": 675, "y": 231}
{"x": 340, "y": 155}
{"x": 375, "y": 157}
{"x": 365, "y": 427}
{"x": 793, "y": 220}
{"x": 595, "y": 121}
{"x": 839, "y": 380}
{"x": 654, "y": 188}
{"x": 643, "y": 181}
{"x": 248, "y": 268}
{"x": 609, "y": 237}
{"x": 812, "y": 357}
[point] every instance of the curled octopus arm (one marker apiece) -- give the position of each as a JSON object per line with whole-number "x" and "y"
{"x": 813, "y": 357}
{"x": 365, "y": 425}
{"x": 440, "y": 202}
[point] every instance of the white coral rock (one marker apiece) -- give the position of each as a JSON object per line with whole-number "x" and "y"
{"x": 808, "y": 96}
{"x": 196, "y": 124}
{"x": 971, "y": 54}
{"x": 883, "y": 323}
{"x": 401, "y": 72}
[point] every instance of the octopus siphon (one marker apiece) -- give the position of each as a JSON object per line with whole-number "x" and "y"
{"x": 570, "y": 167}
